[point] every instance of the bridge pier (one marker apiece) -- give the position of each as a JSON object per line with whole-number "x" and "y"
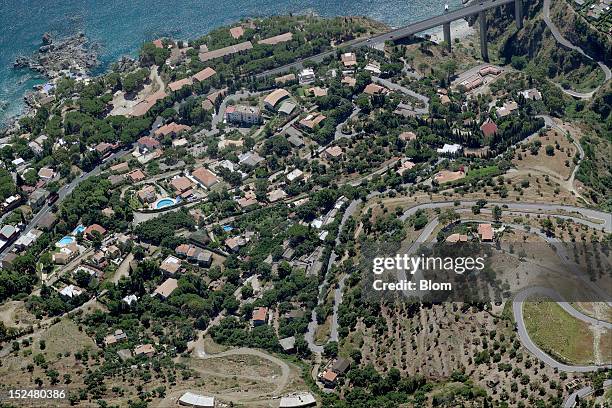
{"x": 518, "y": 13}
{"x": 484, "y": 47}
{"x": 447, "y": 35}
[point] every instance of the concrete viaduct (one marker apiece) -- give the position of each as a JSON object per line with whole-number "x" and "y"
{"x": 477, "y": 8}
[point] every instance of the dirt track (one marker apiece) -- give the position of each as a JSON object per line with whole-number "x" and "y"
{"x": 262, "y": 395}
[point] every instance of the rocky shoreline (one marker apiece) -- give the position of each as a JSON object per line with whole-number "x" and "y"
{"x": 71, "y": 54}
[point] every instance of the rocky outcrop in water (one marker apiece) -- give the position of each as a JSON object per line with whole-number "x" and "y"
{"x": 125, "y": 64}
{"x": 72, "y": 54}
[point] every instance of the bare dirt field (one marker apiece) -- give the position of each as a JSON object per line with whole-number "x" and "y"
{"x": 559, "y": 165}
{"x": 14, "y": 314}
{"x": 244, "y": 376}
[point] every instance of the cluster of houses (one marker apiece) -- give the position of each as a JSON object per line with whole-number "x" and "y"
{"x": 195, "y": 254}
{"x": 333, "y": 371}
{"x": 479, "y": 78}
{"x": 118, "y": 337}
{"x": 598, "y": 9}
{"x": 94, "y": 264}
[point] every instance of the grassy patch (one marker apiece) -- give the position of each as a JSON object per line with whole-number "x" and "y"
{"x": 212, "y": 347}
{"x": 64, "y": 337}
{"x": 477, "y": 174}
{"x": 558, "y": 333}
{"x": 605, "y": 346}
{"x": 353, "y": 341}
{"x": 322, "y": 332}
{"x": 560, "y": 164}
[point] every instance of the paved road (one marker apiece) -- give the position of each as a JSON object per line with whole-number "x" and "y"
{"x": 570, "y": 402}
{"x": 563, "y": 41}
{"x": 338, "y": 134}
{"x": 596, "y": 219}
{"x": 517, "y": 305}
{"x": 517, "y": 309}
{"x": 396, "y": 34}
{"x": 63, "y": 192}
{"x": 396, "y": 87}
{"x": 338, "y": 292}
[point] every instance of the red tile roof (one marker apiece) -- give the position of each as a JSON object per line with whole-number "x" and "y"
{"x": 277, "y": 39}
{"x": 176, "y": 85}
{"x": 260, "y": 314}
{"x": 485, "y": 231}
{"x": 95, "y": 227}
{"x": 329, "y": 376}
{"x": 171, "y": 128}
{"x": 143, "y": 106}
{"x": 374, "y": 89}
{"x": 489, "y": 128}
{"x": 148, "y": 142}
{"x": 205, "y": 176}
{"x": 181, "y": 184}
{"x": 136, "y": 175}
{"x": 204, "y": 74}
{"x": 236, "y": 32}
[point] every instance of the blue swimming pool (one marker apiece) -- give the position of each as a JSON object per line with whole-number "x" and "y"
{"x": 67, "y": 240}
{"x": 227, "y": 228}
{"x": 78, "y": 230}
{"x": 164, "y": 202}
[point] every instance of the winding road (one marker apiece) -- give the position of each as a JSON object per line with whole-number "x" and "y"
{"x": 570, "y": 402}
{"x": 520, "y": 298}
{"x": 563, "y": 41}
{"x": 517, "y": 310}
{"x": 592, "y": 218}
{"x": 338, "y": 291}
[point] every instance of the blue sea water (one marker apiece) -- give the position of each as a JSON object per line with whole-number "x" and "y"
{"x": 121, "y": 26}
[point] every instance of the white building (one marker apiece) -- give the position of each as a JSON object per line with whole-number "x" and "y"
{"x": 190, "y": 399}
{"x": 306, "y": 76}
{"x": 71, "y": 291}
{"x": 129, "y": 299}
{"x": 295, "y": 175}
{"x": 250, "y": 115}
{"x": 450, "y": 149}
{"x": 532, "y": 94}
{"x": 302, "y": 399}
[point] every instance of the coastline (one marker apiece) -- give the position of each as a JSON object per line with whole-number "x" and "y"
{"x": 121, "y": 27}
